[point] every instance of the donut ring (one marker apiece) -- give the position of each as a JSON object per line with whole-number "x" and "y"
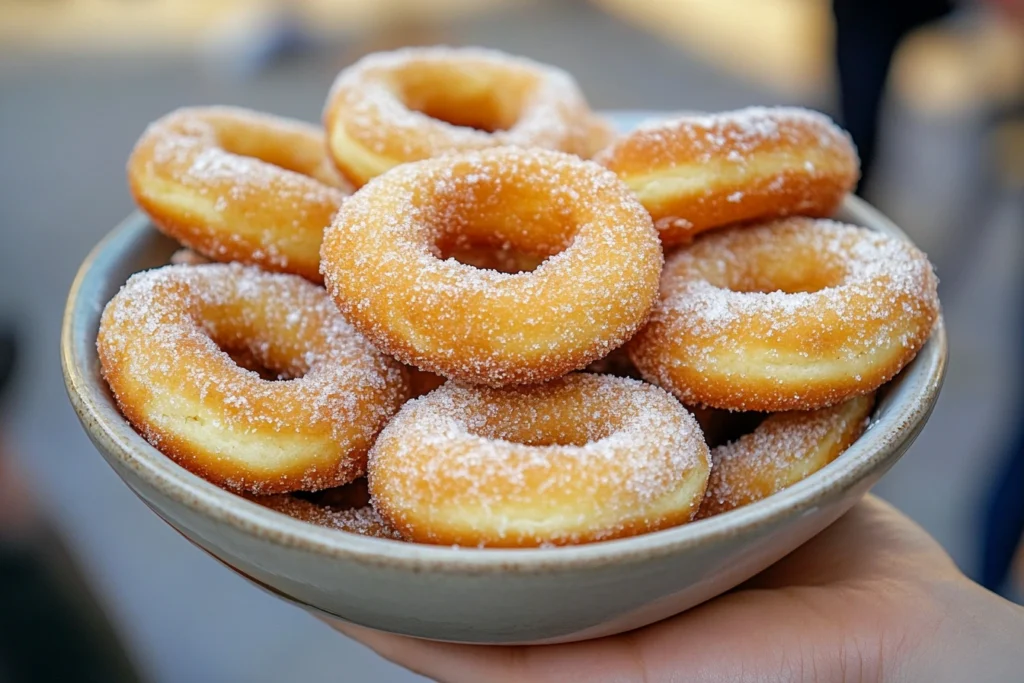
{"x": 395, "y": 107}
{"x": 793, "y": 315}
{"x": 782, "y": 450}
{"x": 591, "y": 294}
{"x": 236, "y": 185}
{"x": 583, "y": 458}
{"x": 158, "y": 348}
{"x": 695, "y": 173}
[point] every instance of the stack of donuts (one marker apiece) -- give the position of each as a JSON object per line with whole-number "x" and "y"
{"x": 466, "y": 312}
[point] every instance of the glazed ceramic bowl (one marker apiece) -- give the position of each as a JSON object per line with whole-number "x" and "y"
{"x": 476, "y": 595}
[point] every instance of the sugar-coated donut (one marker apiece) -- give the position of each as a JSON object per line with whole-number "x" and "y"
{"x": 796, "y": 314}
{"x": 698, "y": 172}
{"x": 381, "y": 261}
{"x": 236, "y": 185}
{"x": 390, "y": 108}
{"x": 360, "y": 518}
{"x": 782, "y": 450}
{"x": 583, "y": 458}
{"x": 164, "y": 344}
{"x": 363, "y": 521}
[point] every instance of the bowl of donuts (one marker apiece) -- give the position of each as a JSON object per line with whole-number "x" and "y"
{"x": 474, "y": 363}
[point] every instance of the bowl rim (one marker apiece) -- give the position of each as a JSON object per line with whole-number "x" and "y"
{"x": 114, "y": 435}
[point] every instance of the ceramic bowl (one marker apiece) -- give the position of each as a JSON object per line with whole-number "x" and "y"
{"x": 476, "y": 595}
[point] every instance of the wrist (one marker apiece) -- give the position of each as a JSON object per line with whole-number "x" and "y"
{"x": 979, "y": 638}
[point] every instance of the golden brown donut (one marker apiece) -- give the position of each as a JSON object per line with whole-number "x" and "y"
{"x": 796, "y": 314}
{"x": 782, "y": 450}
{"x": 163, "y": 346}
{"x": 237, "y": 185}
{"x": 698, "y": 172}
{"x": 361, "y": 519}
{"x": 390, "y": 108}
{"x": 381, "y": 263}
{"x": 583, "y": 458}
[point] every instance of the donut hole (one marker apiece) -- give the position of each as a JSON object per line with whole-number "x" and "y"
{"x": 265, "y": 150}
{"x": 483, "y": 115}
{"x": 246, "y": 359}
{"x": 471, "y": 97}
{"x": 273, "y": 355}
{"x": 502, "y": 258}
{"x": 502, "y": 226}
{"x": 543, "y": 435}
{"x": 268, "y": 368}
{"x": 791, "y": 269}
{"x": 256, "y": 139}
{"x": 570, "y": 420}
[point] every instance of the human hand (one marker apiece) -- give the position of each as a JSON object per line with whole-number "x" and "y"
{"x": 872, "y": 598}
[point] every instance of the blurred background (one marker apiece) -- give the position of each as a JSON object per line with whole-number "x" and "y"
{"x": 95, "y": 587}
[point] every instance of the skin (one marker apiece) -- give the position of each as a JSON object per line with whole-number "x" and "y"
{"x": 1012, "y": 8}
{"x": 871, "y": 599}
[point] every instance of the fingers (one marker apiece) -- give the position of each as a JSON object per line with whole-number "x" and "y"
{"x": 438, "y": 661}
{"x": 859, "y": 558}
{"x": 611, "y": 660}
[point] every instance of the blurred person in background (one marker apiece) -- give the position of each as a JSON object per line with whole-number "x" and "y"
{"x": 1003, "y": 520}
{"x": 868, "y": 32}
{"x": 51, "y": 628}
{"x": 867, "y": 35}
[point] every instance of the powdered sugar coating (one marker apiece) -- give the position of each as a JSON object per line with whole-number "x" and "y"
{"x": 236, "y": 185}
{"x": 737, "y": 135}
{"x": 583, "y": 458}
{"x": 698, "y": 172}
{"x": 378, "y": 113}
{"x": 381, "y": 263}
{"x": 795, "y": 314}
{"x": 782, "y": 450}
{"x": 160, "y": 346}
